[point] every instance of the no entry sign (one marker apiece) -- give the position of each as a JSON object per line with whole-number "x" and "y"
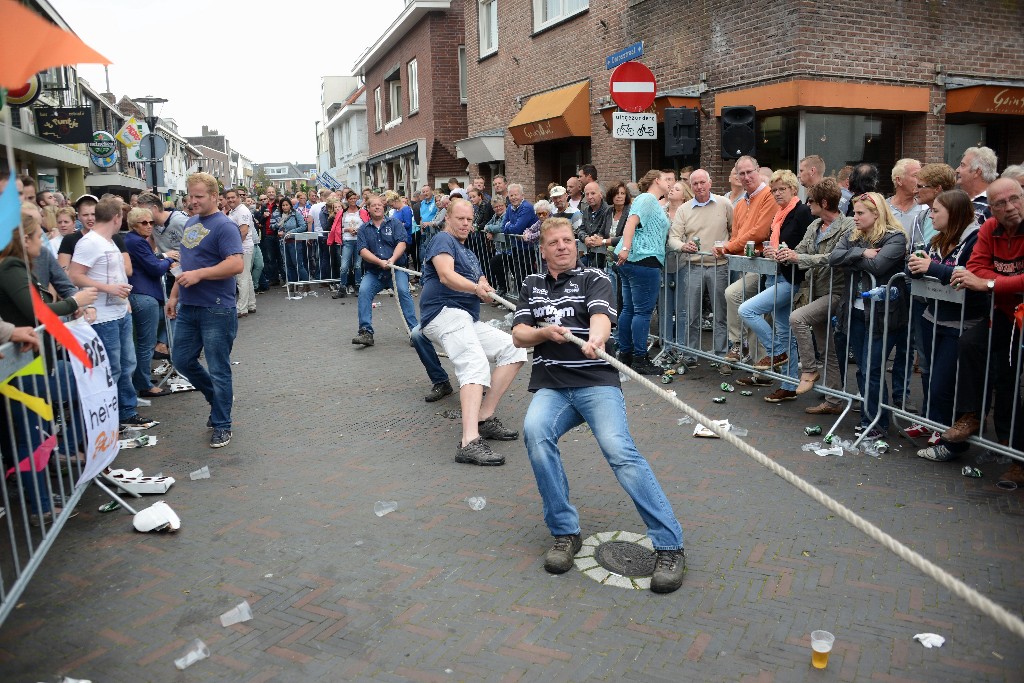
{"x": 632, "y": 86}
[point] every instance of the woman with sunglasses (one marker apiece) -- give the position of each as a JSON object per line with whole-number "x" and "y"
{"x": 147, "y": 295}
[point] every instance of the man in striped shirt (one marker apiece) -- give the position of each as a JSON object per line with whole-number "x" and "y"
{"x": 571, "y": 386}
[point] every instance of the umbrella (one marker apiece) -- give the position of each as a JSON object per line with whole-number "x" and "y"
{"x": 30, "y": 44}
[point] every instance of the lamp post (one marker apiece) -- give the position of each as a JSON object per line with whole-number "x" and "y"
{"x": 151, "y": 122}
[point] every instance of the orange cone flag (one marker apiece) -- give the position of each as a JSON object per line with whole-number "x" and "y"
{"x": 30, "y": 44}
{"x": 57, "y": 330}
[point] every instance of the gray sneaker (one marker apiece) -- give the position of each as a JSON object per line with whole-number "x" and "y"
{"x": 220, "y": 438}
{"x": 365, "y": 337}
{"x": 477, "y": 452}
{"x": 491, "y": 428}
{"x": 559, "y": 559}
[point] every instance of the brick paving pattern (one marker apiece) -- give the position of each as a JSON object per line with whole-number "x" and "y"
{"x": 438, "y": 592}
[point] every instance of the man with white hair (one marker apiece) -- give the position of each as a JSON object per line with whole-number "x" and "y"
{"x": 902, "y": 202}
{"x": 518, "y": 217}
{"x": 976, "y": 170}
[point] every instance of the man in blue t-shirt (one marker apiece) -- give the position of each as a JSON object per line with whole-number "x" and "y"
{"x": 453, "y": 287}
{"x": 203, "y": 302}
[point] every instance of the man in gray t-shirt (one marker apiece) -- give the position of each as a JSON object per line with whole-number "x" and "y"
{"x": 168, "y": 226}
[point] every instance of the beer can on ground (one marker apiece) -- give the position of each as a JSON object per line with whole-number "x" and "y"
{"x": 812, "y": 431}
{"x": 749, "y": 251}
{"x": 666, "y": 379}
{"x": 718, "y": 399}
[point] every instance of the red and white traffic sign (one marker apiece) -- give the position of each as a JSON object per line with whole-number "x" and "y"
{"x": 632, "y": 86}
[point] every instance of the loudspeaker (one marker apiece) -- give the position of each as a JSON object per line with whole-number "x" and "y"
{"x": 738, "y": 135}
{"x": 682, "y": 133}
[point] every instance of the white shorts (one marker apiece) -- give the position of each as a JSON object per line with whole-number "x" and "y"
{"x": 472, "y": 345}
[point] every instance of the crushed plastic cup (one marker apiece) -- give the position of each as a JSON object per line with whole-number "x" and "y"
{"x": 376, "y": 304}
{"x": 476, "y": 502}
{"x": 196, "y": 650}
{"x": 808, "y": 447}
{"x": 821, "y": 646}
{"x": 130, "y": 433}
{"x": 237, "y": 614}
{"x": 685, "y": 420}
{"x": 202, "y": 473}
{"x": 384, "y": 507}
{"x": 176, "y": 270}
{"x": 738, "y": 431}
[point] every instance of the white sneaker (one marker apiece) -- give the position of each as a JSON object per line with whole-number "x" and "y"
{"x": 937, "y": 453}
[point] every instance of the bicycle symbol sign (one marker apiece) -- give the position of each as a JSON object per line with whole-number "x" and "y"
{"x": 627, "y": 126}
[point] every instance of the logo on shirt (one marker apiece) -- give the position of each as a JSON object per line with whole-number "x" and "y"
{"x": 193, "y": 236}
{"x": 572, "y": 288}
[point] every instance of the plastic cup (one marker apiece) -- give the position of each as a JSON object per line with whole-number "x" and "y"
{"x": 202, "y": 473}
{"x": 237, "y": 614}
{"x": 821, "y": 646}
{"x": 384, "y": 507}
{"x": 196, "y": 650}
{"x": 476, "y": 502}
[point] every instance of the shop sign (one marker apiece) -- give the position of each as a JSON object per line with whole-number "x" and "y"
{"x": 65, "y": 126}
{"x": 1008, "y": 101}
{"x": 102, "y": 144}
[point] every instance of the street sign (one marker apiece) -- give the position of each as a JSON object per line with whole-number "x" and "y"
{"x": 627, "y": 126}
{"x": 152, "y": 147}
{"x": 159, "y": 174}
{"x": 632, "y": 86}
{"x": 626, "y": 54}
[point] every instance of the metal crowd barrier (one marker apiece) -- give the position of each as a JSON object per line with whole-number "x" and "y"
{"x": 308, "y": 254}
{"x": 30, "y": 498}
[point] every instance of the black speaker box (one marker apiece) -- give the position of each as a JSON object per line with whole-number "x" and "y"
{"x": 738, "y": 135}
{"x": 682, "y": 133}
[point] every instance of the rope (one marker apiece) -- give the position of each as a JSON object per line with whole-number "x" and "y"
{"x": 972, "y": 597}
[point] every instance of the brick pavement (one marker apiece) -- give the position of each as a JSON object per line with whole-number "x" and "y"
{"x": 438, "y": 592}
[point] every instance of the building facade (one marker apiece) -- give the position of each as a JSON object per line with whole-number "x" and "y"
{"x": 850, "y": 81}
{"x": 344, "y": 142}
{"x": 415, "y": 100}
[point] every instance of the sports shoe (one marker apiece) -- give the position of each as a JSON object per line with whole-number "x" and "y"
{"x": 137, "y": 421}
{"x": 220, "y": 438}
{"x": 209, "y": 423}
{"x": 438, "y": 391}
{"x": 780, "y": 395}
{"x": 937, "y": 453}
{"x": 47, "y": 517}
{"x": 963, "y": 428}
{"x": 769, "y": 362}
{"x": 365, "y": 337}
{"x": 491, "y": 428}
{"x": 917, "y": 431}
{"x": 824, "y": 408}
{"x": 625, "y": 357}
{"x": 644, "y": 366}
{"x": 755, "y": 381}
{"x": 559, "y": 558}
{"x": 690, "y": 361}
{"x": 340, "y": 294}
{"x": 872, "y": 435}
{"x": 735, "y": 355}
{"x": 668, "y": 571}
{"x": 477, "y": 452}
{"x": 350, "y": 290}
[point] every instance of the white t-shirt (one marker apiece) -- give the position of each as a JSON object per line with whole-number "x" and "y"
{"x": 242, "y": 216}
{"x": 350, "y": 219}
{"x": 314, "y": 211}
{"x": 105, "y": 263}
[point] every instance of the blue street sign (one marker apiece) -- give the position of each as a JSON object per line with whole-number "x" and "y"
{"x": 626, "y": 54}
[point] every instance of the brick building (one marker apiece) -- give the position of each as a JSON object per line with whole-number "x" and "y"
{"x": 849, "y": 81}
{"x": 415, "y": 102}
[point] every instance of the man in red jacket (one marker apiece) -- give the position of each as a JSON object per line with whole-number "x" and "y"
{"x": 996, "y": 266}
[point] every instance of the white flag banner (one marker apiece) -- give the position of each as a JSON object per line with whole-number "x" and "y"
{"x": 97, "y": 396}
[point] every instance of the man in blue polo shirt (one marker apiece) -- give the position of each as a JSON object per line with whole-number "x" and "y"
{"x": 381, "y": 242}
{"x": 571, "y": 386}
{"x": 203, "y": 302}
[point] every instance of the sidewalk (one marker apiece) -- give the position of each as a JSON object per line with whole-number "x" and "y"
{"x": 439, "y": 592}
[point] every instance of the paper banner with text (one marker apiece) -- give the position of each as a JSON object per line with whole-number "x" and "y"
{"x": 132, "y": 132}
{"x": 97, "y": 396}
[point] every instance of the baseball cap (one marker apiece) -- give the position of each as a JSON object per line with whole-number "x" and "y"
{"x": 459, "y": 192}
{"x": 84, "y": 197}
{"x": 557, "y": 191}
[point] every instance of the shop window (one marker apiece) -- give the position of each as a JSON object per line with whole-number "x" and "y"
{"x": 777, "y": 141}
{"x": 488, "y": 17}
{"x": 394, "y": 100}
{"x": 845, "y": 139}
{"x": 549, "y": 12}
{"x": 960, "y": 138}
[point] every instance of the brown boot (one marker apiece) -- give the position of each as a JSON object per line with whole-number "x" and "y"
{"x": 964, "y": 428}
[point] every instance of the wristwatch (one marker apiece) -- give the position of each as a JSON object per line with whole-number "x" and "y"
{"x": 991, "y": 285}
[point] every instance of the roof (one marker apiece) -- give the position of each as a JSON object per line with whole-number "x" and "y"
{"x": 415, "y": 11}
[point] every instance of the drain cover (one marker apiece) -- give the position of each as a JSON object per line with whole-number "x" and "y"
{"x": 625, "y": 558}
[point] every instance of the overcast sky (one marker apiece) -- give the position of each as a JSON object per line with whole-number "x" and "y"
{"x": 249, "y": 69}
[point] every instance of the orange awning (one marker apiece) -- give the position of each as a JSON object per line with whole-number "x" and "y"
{"x": 807, "y": 94}
{"x": 661, "y": 103}
{"x": 985, "y": 99}
{"x": 552, "y": 115}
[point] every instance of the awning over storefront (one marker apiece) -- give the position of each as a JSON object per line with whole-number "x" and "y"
{"x": 118, "y": 180}
{"x": 661, "y": 103}
{"x": 986, "y": 99}
{"x": 552, "y": 115}
{"x": 483, "y": 147}
{"x": 807, "y": 94}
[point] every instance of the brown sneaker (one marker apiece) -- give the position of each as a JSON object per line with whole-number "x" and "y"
{"x": 824, "y": 408}
{"x": 963, "y": 428}
{"x": 1014, "y": 474}
{"x": 755, "y": 381}
{"x": 780, "y": 395}
{"x": 769, "y": 362}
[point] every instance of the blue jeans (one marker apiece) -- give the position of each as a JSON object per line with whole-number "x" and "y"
{"x": 869, "y": 380}
{"x": 116, "y": 336}
{"x": 428, "y": 356}
{"x": 295, "y": 261}
{"x": 941, "y": 383}
{"x": 639, "y": 297}
{"x": 146, "y": 314}
{"x": 210, "y": 331}
{"x": 552, "y": 413}
{"x": 350, "y": 262}
{"x": 776, "y": 299}
{"x": 374, "y": 283}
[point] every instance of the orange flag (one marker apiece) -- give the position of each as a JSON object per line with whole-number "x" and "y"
{"x": 57, "y": 330}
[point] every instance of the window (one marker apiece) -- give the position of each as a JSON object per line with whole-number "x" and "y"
{"x": 488, "y": 16}
{"x": 463, "y": 84}
{"x": 548, "y": 12}
{"x": 377, "y": 114}
{"x": 414, "y": 86}
{"x": 395, "y": 100}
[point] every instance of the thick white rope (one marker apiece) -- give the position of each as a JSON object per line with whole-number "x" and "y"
{"x": 972, "y": 597}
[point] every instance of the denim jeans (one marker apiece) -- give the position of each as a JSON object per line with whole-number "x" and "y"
{"x": 146, "y": 314}
{"x": 116, "y": 336}
{"x": 211, "y": 331}
{"x": 941, "y": 384}
{"x": 374, "y": 283}
{"x": 874, "y": 375}
{"x": 639, "y": 297}
{"x": 552, "y": 413}
{"x": 350, "y": 263}
{"x": 295, "y": 261}
{"x": 774, "y": 299}
{"x": 273, "y": 269}
{"x": 428, "y": 356}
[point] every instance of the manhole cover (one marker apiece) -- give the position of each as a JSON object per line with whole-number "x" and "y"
{"x": 625, "y": 558}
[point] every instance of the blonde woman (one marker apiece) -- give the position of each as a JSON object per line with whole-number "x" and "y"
{"x": 873, "y": 252}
